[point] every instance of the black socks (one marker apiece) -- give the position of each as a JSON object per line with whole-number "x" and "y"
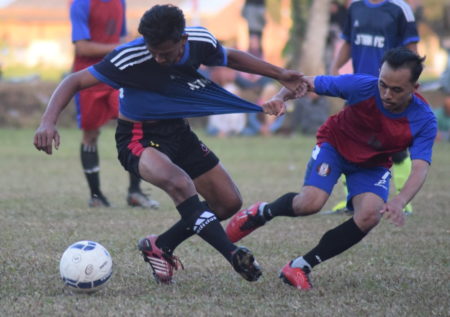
{"x": 91, "y": 168}
{"x": 280, "y": 207}
{"x": 334, "y": 242}
{"x": 135, "y": 184}
{"x": 196, "y": 220}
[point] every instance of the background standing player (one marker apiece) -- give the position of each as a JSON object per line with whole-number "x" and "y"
{"x": 98, "y": 26}
{"x": 372, "y": 28}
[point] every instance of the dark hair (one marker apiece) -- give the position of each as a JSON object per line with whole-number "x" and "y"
{"x": 162, "y": 23}
{"x": 401, "y": 57}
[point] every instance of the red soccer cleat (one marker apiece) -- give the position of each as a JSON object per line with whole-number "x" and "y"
{"x": 162, "y": 264}
{"x": 295, "y": 276}
{"x": 244, "y": 222}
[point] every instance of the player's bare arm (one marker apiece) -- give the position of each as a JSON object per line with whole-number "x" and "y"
{"x": 47, "y": 134}
{"x": 394, "y": 207}
{"x": 93, "y": 49}
{"x": 341, "y": 58}
{"x": 246, "y": 62}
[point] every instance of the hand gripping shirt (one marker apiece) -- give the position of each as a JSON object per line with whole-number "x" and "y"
{"x": 372, "y": 29}
{"x": 150, "y": 91}
{"x": 101, "y": 21}
{"x": 364, "y": 132}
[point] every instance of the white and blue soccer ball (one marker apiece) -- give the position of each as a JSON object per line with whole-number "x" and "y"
{"x": 86, "y": 266}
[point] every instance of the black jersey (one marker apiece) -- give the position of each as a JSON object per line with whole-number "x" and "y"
{"x": 153, "y": 91}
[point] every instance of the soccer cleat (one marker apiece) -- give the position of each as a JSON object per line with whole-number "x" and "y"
{"x": 245, "y": 264}
{"x": 162, "y": 263}
{"x": 97, "y": 201}
{"x": 244, "y": 222}
{"x": 295, "y": 276}
{"x": 139, "y": 199}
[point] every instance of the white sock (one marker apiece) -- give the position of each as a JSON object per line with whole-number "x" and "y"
{"x": 261, "y": 209}
{"x": 301, "y": 263}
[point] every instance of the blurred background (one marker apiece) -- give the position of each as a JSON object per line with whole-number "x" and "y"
{"x": 36, "y": 49}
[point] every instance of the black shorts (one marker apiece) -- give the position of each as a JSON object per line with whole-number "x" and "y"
{"x": 399, "y": 156}
{"x": 172, "y": 137}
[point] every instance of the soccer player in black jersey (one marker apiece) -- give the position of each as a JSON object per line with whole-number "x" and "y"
{"x": 160, "y": 86}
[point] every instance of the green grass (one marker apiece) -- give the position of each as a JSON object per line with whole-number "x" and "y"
{"x": 47, "y": 73}
{"x": 43, "y": 205}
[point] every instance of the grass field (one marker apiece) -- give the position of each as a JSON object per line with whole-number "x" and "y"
{"x": 43, "y": 206}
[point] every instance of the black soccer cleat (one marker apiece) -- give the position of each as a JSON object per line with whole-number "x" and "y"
{"x": 245, "y": 264}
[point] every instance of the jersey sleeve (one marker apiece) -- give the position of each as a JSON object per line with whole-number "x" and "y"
{"x": 408, "y": 26}
{"x": 422, "y": 145}
{"x": 207, "y": 48}
{"x": 353, "y": 88}
{"x": 79, "y": 18}
{"x": 106, "y": 72}
{"x": 346, "y": 32}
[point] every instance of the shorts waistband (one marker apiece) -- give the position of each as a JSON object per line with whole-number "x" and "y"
{"x": 153, "y": 123}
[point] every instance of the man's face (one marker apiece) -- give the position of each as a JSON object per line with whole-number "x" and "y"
{"x": 168, "y": 52}
{"x": 395, "y": 88}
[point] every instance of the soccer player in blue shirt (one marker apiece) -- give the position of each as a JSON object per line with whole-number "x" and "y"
{"x": 371, "y": 29}
{"x": 160, "y": 86}
{"x": 383, "y": 115}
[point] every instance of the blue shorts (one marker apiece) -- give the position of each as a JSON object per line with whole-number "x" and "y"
{"x": 326, "y": 166}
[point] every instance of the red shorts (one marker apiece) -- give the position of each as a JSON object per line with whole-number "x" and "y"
{"x": 96, "y": 106}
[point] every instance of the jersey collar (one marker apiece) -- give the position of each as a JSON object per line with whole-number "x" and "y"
{"x": 185, "y": 56}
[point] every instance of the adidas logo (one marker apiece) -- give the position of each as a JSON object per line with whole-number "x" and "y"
{"x": 159, "y": 266}
{"x": 356, "y": 24}
{"x": 205, "y": 218}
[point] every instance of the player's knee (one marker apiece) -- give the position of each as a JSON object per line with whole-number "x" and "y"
{"x": 228, "y": 208}
{"x": 306, "y": 203}
{"x": 367, "y": 219}
{"x": 177, "y": 186}
{"x": 91, "y": 137}
{"x": 306, "y": 209}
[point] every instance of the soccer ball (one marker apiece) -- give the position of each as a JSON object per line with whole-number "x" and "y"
{"x": 85, "y": 266}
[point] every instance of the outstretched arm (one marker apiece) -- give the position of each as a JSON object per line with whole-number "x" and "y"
{"x": 248, "y": 63}
{"x": 276, "y": 106}
{"x": 46, "y": 133}
{"x": 394, "y": 207}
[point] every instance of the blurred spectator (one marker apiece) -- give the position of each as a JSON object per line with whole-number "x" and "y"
{"x": 445, "y": 43}
{"x": 443, "y": 118}
{"x": 254, "y": 11}
{"x": 338, "y": 14}
{"x": 224, "y": 125}
{"x": 256, "y": 89}
{"x": 417, "y": 7}
{"x": 310, "y": 112}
